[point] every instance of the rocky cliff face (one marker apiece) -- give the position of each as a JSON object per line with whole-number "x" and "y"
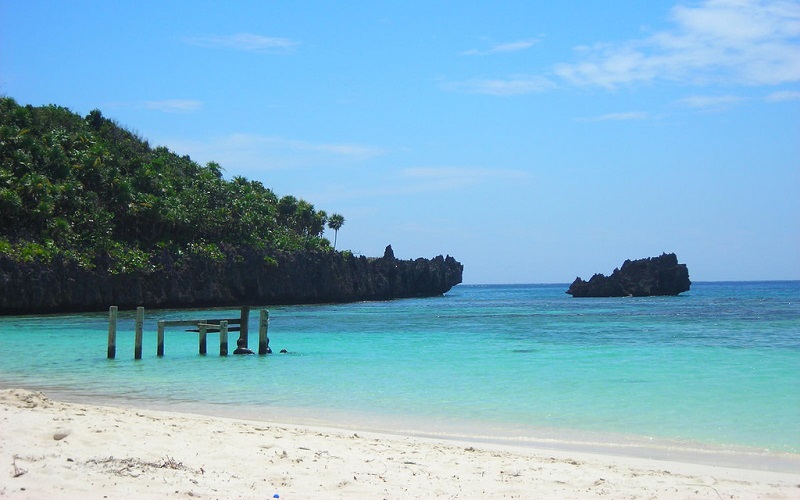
{"x": 638, "y": 278}
{"x": 244, "y": 279}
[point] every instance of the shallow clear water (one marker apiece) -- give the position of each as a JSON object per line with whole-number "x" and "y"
{"x": 719, "y": 365}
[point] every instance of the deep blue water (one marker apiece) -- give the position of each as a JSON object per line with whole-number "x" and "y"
{"x": 718, "y": 365}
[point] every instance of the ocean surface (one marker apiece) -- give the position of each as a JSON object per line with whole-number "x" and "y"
{"x": 718, "y": 366}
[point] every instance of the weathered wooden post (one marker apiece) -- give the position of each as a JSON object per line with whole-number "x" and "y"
{"x": 112, "y": 332}
{"x": 223, "y": 338}
{"x": 160, "y": 349}
{"x": 203, "y": 327}
{"x": 244, "y": 319}
{"x": 263, "y": 340}
{"x": 137, "y": 348}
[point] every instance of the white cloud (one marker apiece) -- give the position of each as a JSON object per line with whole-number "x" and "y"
{"x": 475, "y": 174}
{"x": 252, "y": 153}
{"x": 244, "y": 41}
{"x": 623, "y": 116}
{"x": 422, "y": 180}
{"x": 165, "y": 105}
{"x": 173, "y": 105}
{"x": 750, "y": 42}
{"x": 516, "y": 85}
{"x": 714, "y": 101}
{"x": 724, "y": 101}
{"x": 783, "y": 95}
{"x": 503, "y": 47}
{"x": 415, "y": 180}
{"x": 353, "y": 151}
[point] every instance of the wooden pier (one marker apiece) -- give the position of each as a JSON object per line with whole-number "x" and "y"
{"x": 200, "y": 326}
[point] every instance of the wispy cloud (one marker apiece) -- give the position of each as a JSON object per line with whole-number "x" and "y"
{"x": 710, "y": 101}
{"x": 353, "y": 151}
{"x": 173, "y": 105}
{"x": 245, "y": 42}
{"x": 166, "y": 105}
{"x": 749, "y": 42}
{"x": 426, "y": 179}
{"x": 783, "y": 95}
{"x": 503, "y": 47}
{"x": 462, "y": 173}
{"x": 415, "y": 180}
{"x": 726, "y": 101}
{"x": 623, "y": 116}
{"x": 515, "y": 85}
{"x": 253, "y": 153}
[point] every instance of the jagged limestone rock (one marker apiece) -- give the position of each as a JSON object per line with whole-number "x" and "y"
{"x": 244, "y": 278}
{"x": 638, "y": 278}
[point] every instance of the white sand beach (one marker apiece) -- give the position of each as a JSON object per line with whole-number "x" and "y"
{"x": 52, "y": 449}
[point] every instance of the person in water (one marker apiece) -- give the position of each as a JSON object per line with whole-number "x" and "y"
{"x": 241, "y": 347}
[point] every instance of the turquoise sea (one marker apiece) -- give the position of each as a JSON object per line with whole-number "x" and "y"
{"x": 718, "y": 366}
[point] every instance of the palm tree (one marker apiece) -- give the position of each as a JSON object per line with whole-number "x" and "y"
{"x": 335, "y": 222}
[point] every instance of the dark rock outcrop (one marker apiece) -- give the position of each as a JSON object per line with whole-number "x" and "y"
{"x": 245, "y": 278}
{"x": 638, "y": 278}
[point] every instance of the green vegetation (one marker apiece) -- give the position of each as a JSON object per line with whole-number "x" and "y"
{"x": 79, "y": 188}
{"x": 335, "y": 222}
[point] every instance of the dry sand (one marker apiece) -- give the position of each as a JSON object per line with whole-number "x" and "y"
{"x": 51, "y": 449}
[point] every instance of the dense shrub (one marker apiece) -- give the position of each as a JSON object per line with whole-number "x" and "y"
{"x": 82, "y": 187}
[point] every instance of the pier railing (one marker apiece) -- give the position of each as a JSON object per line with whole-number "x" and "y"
{"x": 200, "y": 326}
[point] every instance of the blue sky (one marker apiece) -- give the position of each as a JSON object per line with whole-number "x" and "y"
{"x": 533, "y": 141}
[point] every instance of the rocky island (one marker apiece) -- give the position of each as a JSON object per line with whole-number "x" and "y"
{"x": 91, "y": 215}
{"x": 637, "y": 278}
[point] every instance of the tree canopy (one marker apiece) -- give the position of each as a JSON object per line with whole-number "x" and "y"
{"x": 84, "y": 186}
{"x": 335, "y": 222}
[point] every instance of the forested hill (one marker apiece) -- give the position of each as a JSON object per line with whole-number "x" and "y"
{"x": 78, "y": 186}
{"x": 84, "y": 198}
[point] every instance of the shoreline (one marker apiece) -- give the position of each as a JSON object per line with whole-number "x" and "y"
{"x": 67, "y": 449}
{"x": 458, "y": 430}
{"x": 493, "y": 434}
